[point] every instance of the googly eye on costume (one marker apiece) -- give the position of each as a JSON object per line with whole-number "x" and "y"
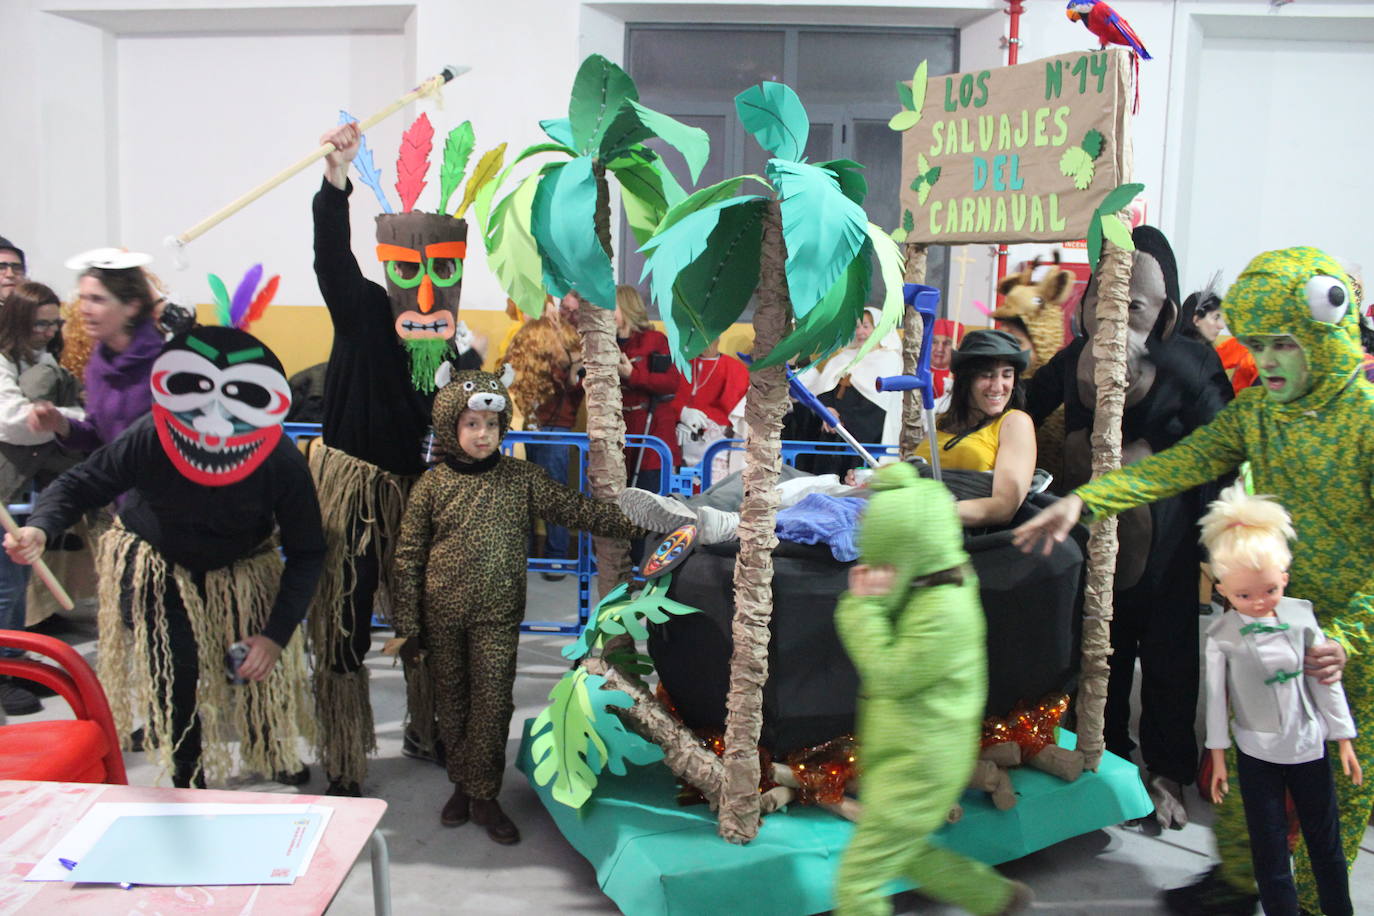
{"x": 469, "y": 386}
{"x": 1327, "y": 298}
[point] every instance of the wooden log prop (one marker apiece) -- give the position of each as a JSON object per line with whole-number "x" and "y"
{"x": 429, "y": 87}
{"x": 39, "y": 566}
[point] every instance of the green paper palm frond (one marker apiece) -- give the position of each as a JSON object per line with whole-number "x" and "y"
{"x": 703, "y": 268}
{"x": 774, "y": 114}
{"x": 822, "y": 228}
{"x": 647, "y": 189}
{"x": 563, "y": 215}
{"x": 634, "y": 124}
{"x": 512, "y": 253}
{"x": 599, "y": 90}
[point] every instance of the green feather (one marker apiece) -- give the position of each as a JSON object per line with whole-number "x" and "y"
{"x": 457, "y": 150}
{"x": 221, "y": 299}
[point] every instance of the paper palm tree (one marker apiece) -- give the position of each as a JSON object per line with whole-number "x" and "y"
{"x": 553, "y": 233}
{"x": 806, "y": 248}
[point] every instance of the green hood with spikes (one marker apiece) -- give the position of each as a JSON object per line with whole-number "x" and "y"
{"x": 1282, "y": 292}
{"x": 910, "y": 523}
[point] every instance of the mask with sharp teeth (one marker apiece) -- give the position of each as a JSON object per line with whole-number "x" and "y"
{"x": 219, "y": 399}
{"x": 423, "y": 254}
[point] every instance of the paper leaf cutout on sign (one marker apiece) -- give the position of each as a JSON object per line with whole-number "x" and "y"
{"x": 1077, "y": 164}
{"x": 774, "y": 114}
{"x": 599, "y": 89}
{"x": 368, "y": 173}
{"x": 904, "y": 120}
{"x": 413, "y": 161}
{"x": 904, "y": 95}
{"x": 486, "y": 170}
{"x": 908, "y": 221}
{"x": 457, "y": 150}
{"x": 918, "y": 88}
{"x": 822, "y": 229}
{"x": 1092, "y": 143}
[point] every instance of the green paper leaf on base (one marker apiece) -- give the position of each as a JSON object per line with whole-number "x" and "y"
{"x": 822, "y": 228}
{"x": 622, "y": 745}
{"x": 774, "y": 114}
{"x": 599, "y": 89}
{"x": 562, "y": 219}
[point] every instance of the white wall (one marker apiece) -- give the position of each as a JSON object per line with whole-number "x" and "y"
{"x": 124, "y": 123}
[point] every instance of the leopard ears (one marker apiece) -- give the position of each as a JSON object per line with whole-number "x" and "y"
{"x": 444, "y": 374}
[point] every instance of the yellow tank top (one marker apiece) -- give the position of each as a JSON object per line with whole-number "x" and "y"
{"x": 975, "y": 452}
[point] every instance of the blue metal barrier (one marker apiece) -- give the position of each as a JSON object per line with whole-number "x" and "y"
{"x": 791, "y": 448}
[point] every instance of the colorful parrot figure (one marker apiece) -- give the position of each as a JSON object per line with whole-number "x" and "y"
{"x": 1107, "y": 24}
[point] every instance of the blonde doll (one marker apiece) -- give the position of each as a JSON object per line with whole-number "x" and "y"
{"x": 1280, "y": 718}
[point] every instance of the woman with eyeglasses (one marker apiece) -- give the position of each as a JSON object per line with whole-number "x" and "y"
{"x": 117, "y": 312}
{"x": 28, "y": 372}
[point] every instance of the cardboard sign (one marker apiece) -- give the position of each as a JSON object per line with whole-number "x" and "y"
{"x": 1016, "y": 154}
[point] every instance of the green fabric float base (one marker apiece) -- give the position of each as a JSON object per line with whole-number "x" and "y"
{"x": 654, "y": 858}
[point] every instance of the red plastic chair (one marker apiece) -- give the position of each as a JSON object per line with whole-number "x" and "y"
{"x": 84, "y": 750}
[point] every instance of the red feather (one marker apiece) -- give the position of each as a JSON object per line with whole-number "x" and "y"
{"x": 260, "y": 303}
{"x": 413, "y": 162}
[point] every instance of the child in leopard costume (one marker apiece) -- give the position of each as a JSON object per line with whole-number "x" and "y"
{"x": 460, "y": 583}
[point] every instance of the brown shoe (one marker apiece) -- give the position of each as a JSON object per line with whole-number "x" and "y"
{"x": 455, "y": 813}
{"x": 487, "y": 813}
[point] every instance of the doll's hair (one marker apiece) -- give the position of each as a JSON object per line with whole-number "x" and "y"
{"x": 1244, "y": 531}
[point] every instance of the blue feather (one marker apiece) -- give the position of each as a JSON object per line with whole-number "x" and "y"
{"x": 368, "y": 172}
{"x": 243, "y": 295}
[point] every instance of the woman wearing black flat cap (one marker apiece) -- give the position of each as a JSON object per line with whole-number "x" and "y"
{"x": 985, "y": 429}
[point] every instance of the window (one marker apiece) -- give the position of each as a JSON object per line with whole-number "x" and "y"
{"x": 845, "y": 77}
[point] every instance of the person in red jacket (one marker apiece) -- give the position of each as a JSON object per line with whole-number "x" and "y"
{"x": 709, "y": 403}
{"x": 648, "y": 382}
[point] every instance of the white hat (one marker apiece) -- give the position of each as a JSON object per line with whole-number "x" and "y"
{"x": 108, "y": 259}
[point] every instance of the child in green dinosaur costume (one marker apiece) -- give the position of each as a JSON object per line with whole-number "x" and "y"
{"x": 1308, "y": 432}
{"x": 913, "y": 625}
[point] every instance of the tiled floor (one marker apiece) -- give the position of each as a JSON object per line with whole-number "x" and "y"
{"x": 438, "y": 870}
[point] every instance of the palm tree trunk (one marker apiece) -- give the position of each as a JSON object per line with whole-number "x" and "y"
{"x": 913, "y": 425}
{"x": 605, "y": 417}
{"x": 1109, "y": 377}
{"x": 763, "y": 412}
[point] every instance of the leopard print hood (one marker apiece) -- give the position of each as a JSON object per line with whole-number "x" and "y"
{"x": 468, "y": 388}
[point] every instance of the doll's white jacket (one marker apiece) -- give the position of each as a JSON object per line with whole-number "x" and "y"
{"x": 1254, "y": 703}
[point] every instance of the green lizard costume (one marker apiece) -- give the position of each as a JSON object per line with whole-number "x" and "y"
{"x": 922, "y": 663}
{"x": 1314, "y": 452}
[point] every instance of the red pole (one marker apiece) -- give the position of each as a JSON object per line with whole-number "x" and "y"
{"x": 1014, "y": 10}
